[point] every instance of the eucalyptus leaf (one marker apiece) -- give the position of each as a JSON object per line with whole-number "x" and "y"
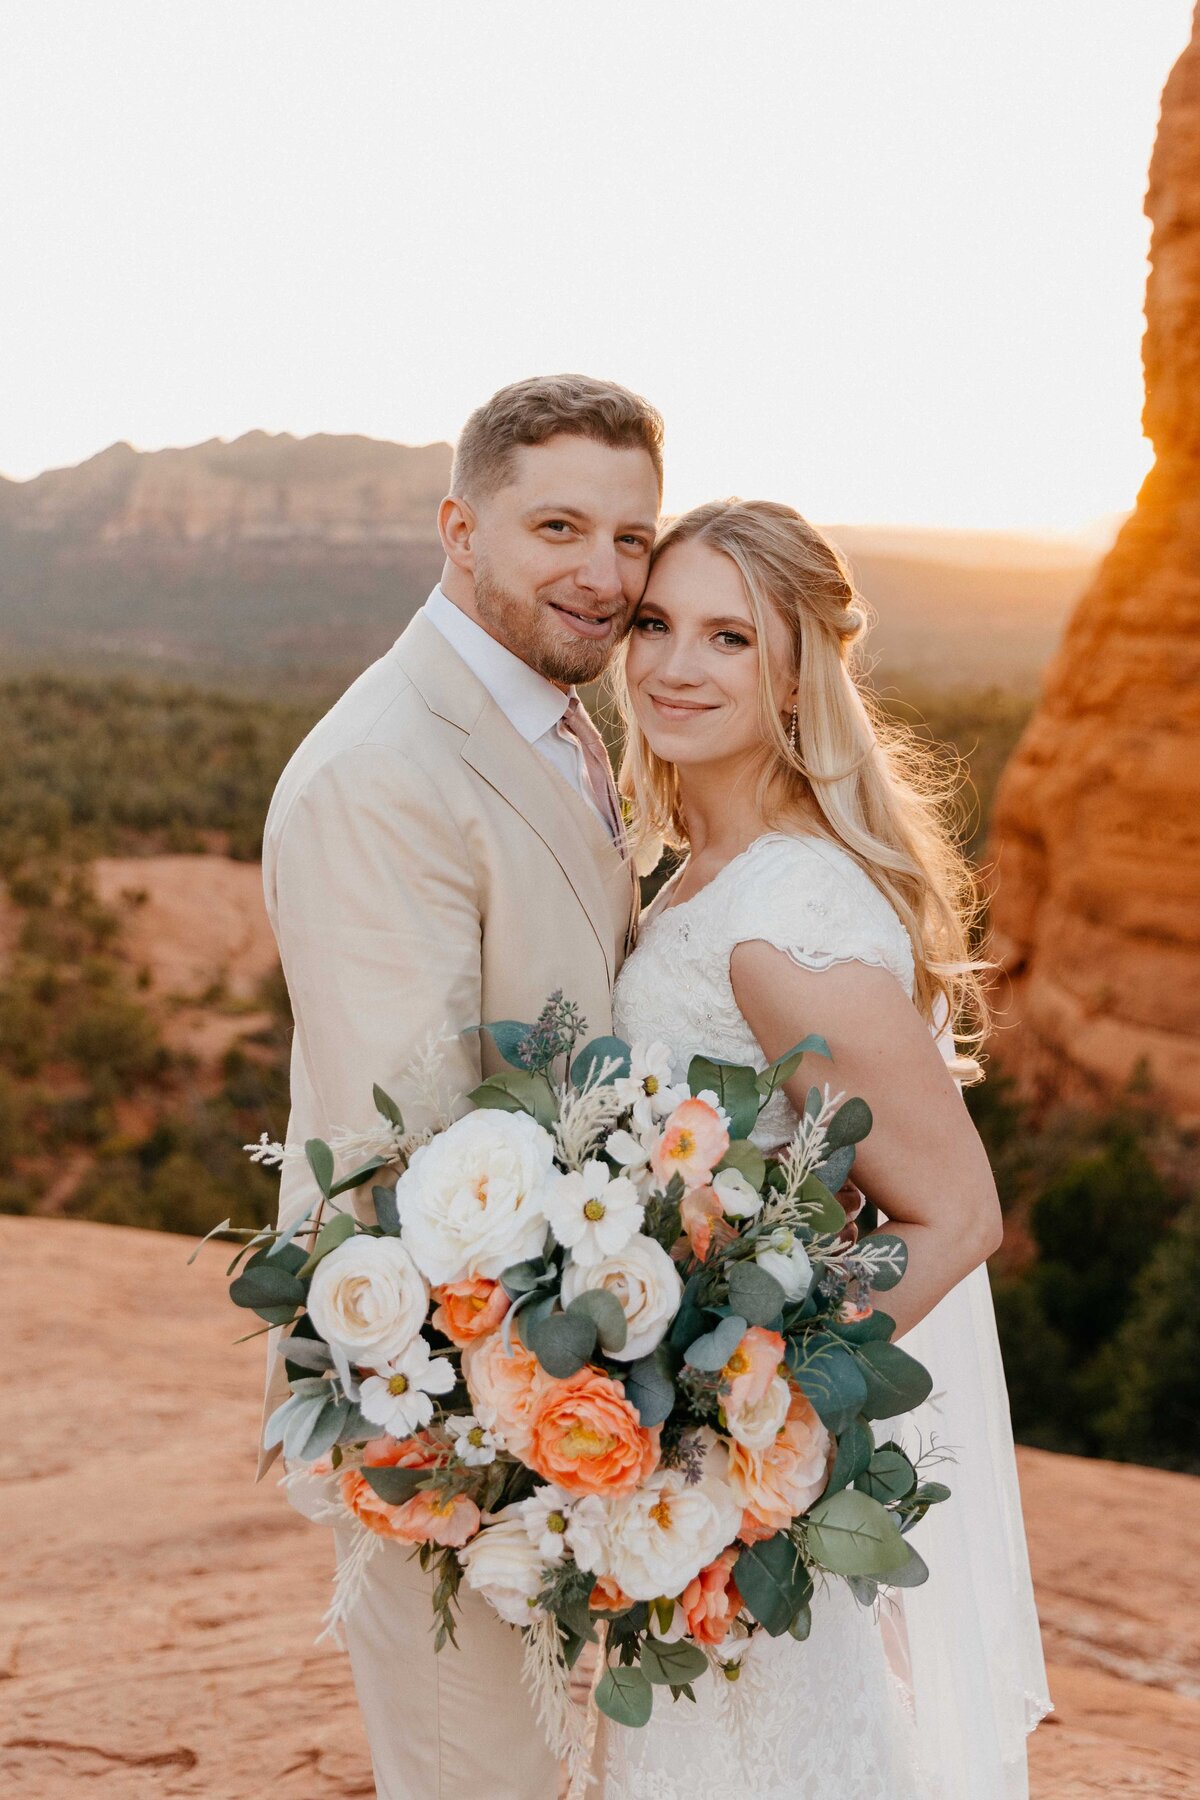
{"x": 689, "y": 1320}
{"x": 320, "y": 1161}
{"x": 835, "y": 1170}
{"x": 215, "y": 1232}
{"x": 387, "y": 1210}
{"x": 284, "y": 1240}
{"x": 736, "y": 1087}
{"x": 801, "y": 1625}
{"x": 395, "y": 1485}
{"x": 785, "y": 1066}
{"x": 519, "y": 1090}
{"x": 714, "y": 1349}
{"x": 507, "y": 1035}
{"x": 605, "y": 1311}
{"x": 864, "y": 1589}
{"x": 524, "y": 1277}
{"x": 562, "y": 1342}
{"x": 930, "y": 1493}
{"x": 849, "y": 1124}
{"x": 266, "y": 1284}
{"x": 672, "y": 1664}
{"x": 851, "y": 1534}
{"x": 895, "y": 1381}
{"x": 333, "y": 1232}
{"x": 598, "y": 1052}
{"x": 876, "y": 1327}
{"x": 855, "y": 1448}
{"x": 755, "y": 1293}
{"x": 625, "y": 1695}
{"x": 306, "y": 1352}
{"x": 650, "y": 1389}
{"x": 826, "y": 1372}
{"x": 773, "y": 1581}
{"x": 888, "y": 1476}
{"x": 357, "y": 1176}
{"x": 820, "y": 1210}
{"x": 886, "y": 1258}
{"x": 910, "y": 1574}
{"x": 356, "y": 1427}
{"x": 386, "y": 1107}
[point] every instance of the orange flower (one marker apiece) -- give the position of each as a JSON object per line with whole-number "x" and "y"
{"x": 425, "y": 1519}
{"x": 608, "y": 1596}
{"x": 711, "y": 1600}
{"x": 704, "y": 1220}
{"x": 467, "y": 1309}
{"x": 505, "y": 1385}
{"x": 776, "y": 1484}
{"x": 692, "y": 1144}
{"x": 587, "y": 1437}
{"x": 751, "y": 1369}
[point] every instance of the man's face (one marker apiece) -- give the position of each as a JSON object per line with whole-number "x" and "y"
{"x": 560, "y": 555}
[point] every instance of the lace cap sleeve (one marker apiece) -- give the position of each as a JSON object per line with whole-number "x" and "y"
{"x": 811, "y": 900}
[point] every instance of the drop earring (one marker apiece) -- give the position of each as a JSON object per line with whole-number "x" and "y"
{"x": 795, "y": 731}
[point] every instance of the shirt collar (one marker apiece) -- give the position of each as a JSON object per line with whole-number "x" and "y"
{"x": 530, "y": 703}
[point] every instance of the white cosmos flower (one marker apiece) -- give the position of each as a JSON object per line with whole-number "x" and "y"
{"x": 471, "y": 1201}
{"x": 738, "y": 1199}
{"x": 632, "y": 1154}
{"x": 474, "y": 1444}
{"x": 399, "y": 1399}
{"x": 644, "y": 1280}
{"x": 547, "y": 1513}
{"x": 784, "y": 1257}
{"x": 505, "y": 1567}
{"x": 666, "y": 1531}
{"x": 647, "y": 1091}
{"x": 587, "y": 1532}
{"x": 367, "y": 1299}
{"x": 592, "y": 1213}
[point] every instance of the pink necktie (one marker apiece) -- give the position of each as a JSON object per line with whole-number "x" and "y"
{"x": 597, "y": 768}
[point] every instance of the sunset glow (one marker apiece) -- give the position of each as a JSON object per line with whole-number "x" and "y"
{"x": 886, "y": 262}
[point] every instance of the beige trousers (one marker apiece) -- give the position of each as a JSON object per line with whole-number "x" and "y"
{"x": 456, "y": 1725}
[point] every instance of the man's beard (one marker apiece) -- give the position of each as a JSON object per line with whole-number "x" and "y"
{"x": 527, "y": 628}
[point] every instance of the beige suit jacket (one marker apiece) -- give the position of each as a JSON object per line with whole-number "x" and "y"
{"x": 426, "y": 870}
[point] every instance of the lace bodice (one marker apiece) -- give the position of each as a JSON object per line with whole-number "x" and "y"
{"x": 801, "y": 894}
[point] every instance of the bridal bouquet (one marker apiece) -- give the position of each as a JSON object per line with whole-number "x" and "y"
{"x": 603, "y": 1360}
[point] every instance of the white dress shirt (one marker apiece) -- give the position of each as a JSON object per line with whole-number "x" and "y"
{"x": 530, "y": 703}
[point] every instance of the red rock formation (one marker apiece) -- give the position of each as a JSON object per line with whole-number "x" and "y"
{"x": 1097, "y": 824}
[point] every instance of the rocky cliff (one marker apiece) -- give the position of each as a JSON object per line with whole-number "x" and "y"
{"x": 1097, "y": 824}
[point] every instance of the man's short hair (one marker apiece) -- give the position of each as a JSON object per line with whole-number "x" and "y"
{"x": 530, "y": 412}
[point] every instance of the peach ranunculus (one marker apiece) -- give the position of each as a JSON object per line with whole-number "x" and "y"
{"x": 704, "y": 1221}
{"x": 505, "y": 1383}
{"x": 468, "y": 1309}
{"x": 692, "y": 1144}
{"x": 427, "y": 1518}
{"x": 587, "y": 1437}
{"x": 608, "y": 1596}
{"x": 776, "y": 1484}
{"x": 711, "y": 1600}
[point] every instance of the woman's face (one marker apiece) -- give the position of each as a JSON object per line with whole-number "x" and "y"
{"x": 693, "y": 660}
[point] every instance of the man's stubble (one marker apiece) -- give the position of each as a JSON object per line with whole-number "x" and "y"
{"x": 527, "y": 629}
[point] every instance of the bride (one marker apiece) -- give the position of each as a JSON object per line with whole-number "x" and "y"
{"x": 822, "y": 893}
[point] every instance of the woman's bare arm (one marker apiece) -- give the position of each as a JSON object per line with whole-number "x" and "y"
{"x": 923, "y": 1163}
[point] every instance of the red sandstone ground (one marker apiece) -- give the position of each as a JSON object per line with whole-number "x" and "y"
{"x": 160, "y": 1610}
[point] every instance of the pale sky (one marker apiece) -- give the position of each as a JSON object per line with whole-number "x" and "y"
{"x": 882, "y": 258}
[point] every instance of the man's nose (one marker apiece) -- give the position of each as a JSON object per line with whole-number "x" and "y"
{"x": 601, "y": 573}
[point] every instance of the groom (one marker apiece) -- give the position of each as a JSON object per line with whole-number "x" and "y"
{"x": 445, "y": 848}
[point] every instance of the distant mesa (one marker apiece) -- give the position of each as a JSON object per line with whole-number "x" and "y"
{"x": 1097, "y": 821}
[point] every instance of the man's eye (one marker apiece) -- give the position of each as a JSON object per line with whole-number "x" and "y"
{"x": 649, "y": 625}
{"x": 558, "y": 526}
{"x": 635, "y": 543}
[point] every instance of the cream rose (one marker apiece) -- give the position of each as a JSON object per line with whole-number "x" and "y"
{"x": 665, "y": 1532}
{"x": 644, "y": 1280}
{"x": 758, "y": 1424}
{"x": 784, "y": 1256}
{"x": 471, "y": 1202}
{"x": 505, "y": 1566}
{"x": 368, "y": 1300}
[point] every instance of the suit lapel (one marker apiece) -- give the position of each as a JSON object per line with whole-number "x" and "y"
{"x": 498, "y": 752}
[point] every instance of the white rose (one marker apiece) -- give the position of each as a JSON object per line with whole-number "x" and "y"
{"x": 738, "y": 1199}
{"x": 666, "y": 1531}
{"x": 471, "y": 1201}
{"x": 757, "y": 1427}
{"x": 503, "y": 1565}
{"x": 368, "y": 1300}
{"x": 644, "y": 1280}
{"x": 784, "y": 1256}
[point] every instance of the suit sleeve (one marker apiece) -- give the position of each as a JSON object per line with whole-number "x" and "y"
{"x": 378, "y": 922}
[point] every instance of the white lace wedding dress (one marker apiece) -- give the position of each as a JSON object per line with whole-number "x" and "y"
{"x": 929, "y": 1696}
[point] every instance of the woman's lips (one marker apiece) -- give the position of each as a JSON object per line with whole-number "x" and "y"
{"x": 585, "y": 625}
{"x": 678, "y": 709}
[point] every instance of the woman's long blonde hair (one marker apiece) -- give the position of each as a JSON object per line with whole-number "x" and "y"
{"x": 864, "y": 783}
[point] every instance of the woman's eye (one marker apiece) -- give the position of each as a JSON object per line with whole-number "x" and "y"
{"x": 732, "y": 640}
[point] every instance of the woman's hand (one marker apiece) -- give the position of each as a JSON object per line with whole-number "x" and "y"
{"x": 922, "y": 1164}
